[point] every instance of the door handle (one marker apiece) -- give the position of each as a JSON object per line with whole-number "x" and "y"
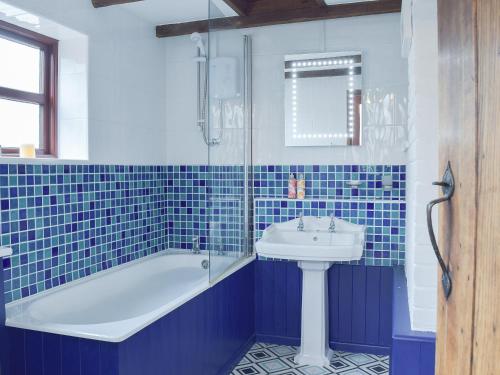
{"x": 448, "y": 188}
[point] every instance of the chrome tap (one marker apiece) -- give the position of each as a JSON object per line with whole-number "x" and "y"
{"x": 300, "y": 226}
{"x": 196, "y": 245}
{"x": 331, "y": 228}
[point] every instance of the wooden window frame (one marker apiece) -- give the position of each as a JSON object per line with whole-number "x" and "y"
{"x": 48, "y": 98}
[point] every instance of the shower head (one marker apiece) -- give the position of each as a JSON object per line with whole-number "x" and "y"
{"x": 198, "y": 40}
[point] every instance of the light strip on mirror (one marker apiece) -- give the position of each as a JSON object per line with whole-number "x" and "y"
{"x": 319, "y": 63}
{"x": 316, "y": 63}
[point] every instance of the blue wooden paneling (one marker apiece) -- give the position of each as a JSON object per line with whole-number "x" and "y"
{"x": 207, "y": 335}
{"x": 3, "y": 334}
{"x": 413, "y": 353}
{"x": 360, "y": 305}
{"x": 52, "y": 363}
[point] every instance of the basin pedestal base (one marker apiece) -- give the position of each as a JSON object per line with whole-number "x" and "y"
{"x": 314, "y": 349}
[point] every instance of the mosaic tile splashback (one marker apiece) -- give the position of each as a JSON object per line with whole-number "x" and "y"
{"x": 385, "y": 221}
{"x": 65, "y": 222}
{"x": 331, "y": 181}
{"x": 208, "y": 202}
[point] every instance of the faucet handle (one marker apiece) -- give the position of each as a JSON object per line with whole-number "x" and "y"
{"x": 331, "y": 229}
{"x": 196, "y": 242}
{"x": 300, "y": 227}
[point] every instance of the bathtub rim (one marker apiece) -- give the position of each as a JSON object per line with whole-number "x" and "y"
{"x": 142, "y": 321}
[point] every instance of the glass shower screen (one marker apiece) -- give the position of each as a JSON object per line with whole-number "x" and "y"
{"x": 229, "y": 166}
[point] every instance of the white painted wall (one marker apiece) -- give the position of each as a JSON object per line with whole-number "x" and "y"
{"x": 421, "y": 267}
{"x": 378, "y": 37}
{"x": 126, "y": 85}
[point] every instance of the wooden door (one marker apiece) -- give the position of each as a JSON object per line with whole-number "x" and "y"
{"x": 468, "y": 337}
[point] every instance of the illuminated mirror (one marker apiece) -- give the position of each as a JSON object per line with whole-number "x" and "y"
{"x": 323, "y": 96}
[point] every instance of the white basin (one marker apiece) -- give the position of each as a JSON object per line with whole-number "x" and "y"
{"x": 315, "y": 248}
{"x": 315, "y": 243}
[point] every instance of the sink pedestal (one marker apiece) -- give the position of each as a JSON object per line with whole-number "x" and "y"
{"x": 314, "y": 349}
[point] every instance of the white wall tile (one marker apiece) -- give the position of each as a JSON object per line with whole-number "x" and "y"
{"x": 421, "y": 266}
{"x": 126, "y": 82}
{"x": 376, "y": 36}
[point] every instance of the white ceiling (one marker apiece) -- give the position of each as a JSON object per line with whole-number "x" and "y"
{"x": 159, "y": 12}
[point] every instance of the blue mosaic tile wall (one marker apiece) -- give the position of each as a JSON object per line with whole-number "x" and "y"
{"x": 65, "y": 222}
{"x": 385, "y": 221}
{"x": 327, "y": 191}
{"x": 208, "y": 202}
{"x": 69, "y": 221}
{"x": 330, "y": 181}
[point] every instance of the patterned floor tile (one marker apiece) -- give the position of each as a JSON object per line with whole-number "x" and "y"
{"x": 265, "y": 359}
{"x": 359, "y": 359}
{"x": 273, "y": 366}
{"x": 314, "y": 370}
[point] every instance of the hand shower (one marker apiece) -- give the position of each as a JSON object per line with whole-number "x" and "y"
{"x": 202, "y": 100}
{"x": 198, "y": 40}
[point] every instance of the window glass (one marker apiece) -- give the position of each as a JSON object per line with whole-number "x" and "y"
{"x": 20, "y": 66}
{"x": 19, "y": 123}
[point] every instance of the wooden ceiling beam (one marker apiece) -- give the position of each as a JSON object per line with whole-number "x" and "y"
{"x": 107, "y": 3}
{"x": 282, "y": 17}
{"x": 241, "y": 7}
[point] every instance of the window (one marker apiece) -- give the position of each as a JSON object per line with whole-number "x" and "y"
{"x": 28, "y": 90}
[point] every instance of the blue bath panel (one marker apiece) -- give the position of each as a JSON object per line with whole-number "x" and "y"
{"x": 360, "y": 305}
{"x": 208, "y": 335}
{"x": 413, "y": 353}
{"x": 3, "y": 331}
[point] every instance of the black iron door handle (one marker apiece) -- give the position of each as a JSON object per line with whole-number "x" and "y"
{"x": 448, "y": 187}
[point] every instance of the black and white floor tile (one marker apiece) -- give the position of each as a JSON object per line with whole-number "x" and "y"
{"x": 264, "y": 359}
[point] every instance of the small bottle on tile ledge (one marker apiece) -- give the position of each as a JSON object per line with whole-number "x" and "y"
{"x": 301, "y": 187}
{"x": 292, "y": 187}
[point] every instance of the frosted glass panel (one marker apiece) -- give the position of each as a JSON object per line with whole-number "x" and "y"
{"x": 19, "y": 123}
{"x": 19, "y": 66}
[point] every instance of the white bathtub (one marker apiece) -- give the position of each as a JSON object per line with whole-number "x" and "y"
{"x": 113, "y": 305}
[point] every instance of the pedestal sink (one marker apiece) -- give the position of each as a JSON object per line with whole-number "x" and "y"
{"x": 315, "y": 247}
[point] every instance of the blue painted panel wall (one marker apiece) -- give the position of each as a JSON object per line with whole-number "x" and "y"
{"x": 360, "y": 303}
{"x": 208, "y": 335}
{"x": 413, "y": 353}
{"x": 3, "y": 333}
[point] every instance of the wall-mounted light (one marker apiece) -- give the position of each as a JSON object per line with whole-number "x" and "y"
{"x": 297, "y": 69}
